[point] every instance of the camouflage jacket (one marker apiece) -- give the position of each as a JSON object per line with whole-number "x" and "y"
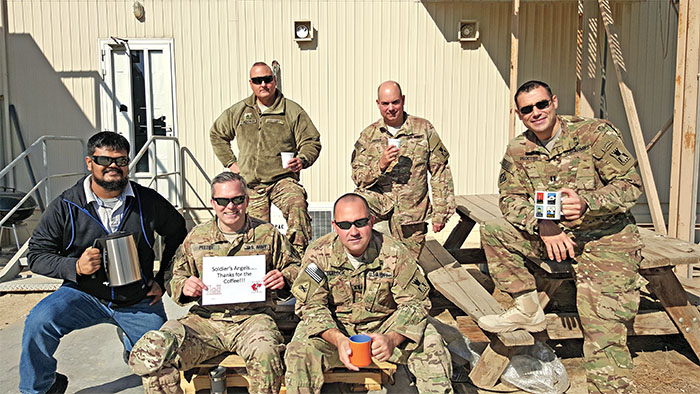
{"x": 284, "y": 127}
{"x": 206, "y": 239}
{"x": 421, "y": 152}
{"x": 331, "y": 293}
{"x": 589, "y": 158}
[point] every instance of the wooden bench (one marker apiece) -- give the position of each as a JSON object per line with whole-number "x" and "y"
{"x": 371, "y": 377}
{"x": 443, "y": 264}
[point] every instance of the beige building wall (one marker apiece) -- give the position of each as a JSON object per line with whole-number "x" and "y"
{"x": 461, "y": 87}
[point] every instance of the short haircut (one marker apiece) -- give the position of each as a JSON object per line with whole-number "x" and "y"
{"x": 256, "y": 64}
{"x": 228, "y": 176}
{"x": 107, "y": 139}
{"x": 529, "y": 86}
{"x": 394, "y": 82}
{"x": 351, "y": 197}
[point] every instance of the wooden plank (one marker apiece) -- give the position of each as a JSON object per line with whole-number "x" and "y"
{"x": 491, "y": 364}
{"x": 458, "y": 286}
{"x": 684, "y": 154}
{"x": 568, "y": 325}
{"x": 459, "y": 234}
{"x": 665, "y": 285}
{"x": 659, "y": 134}
{"x": 661, "y": 250}
{"x": 475, "y": 211}
{"x": 633, "y": 119}
{"x": 513, "y": 84}
{"x": 468, "y": 327}
{"x": 468, "y": 256}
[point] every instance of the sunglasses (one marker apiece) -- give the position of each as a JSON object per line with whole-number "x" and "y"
{"x": 540, "y": 105}
{"x": 359, "y": 223}
{"x": 223, "y": 201}
{"x": 259, "y": 80}
{"x": 106, "y": 161}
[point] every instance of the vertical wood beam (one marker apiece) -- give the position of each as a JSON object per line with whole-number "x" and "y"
{"x": 514, "y": 36}
{"x": 684, "y": 157}
{"x": 633, "y": 119}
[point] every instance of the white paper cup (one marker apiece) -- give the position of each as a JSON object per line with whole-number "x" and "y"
{"x": 395, "y": 142}
{"x": 547, "y": 205}
{"x": 286, "y": 157}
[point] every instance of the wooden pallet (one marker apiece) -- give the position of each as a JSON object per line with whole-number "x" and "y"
{"x": 368, "y": 378}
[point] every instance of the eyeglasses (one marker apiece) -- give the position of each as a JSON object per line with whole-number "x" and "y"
{"x": 259, "y": 80}
{"x": 359, "y": 223}
{"x": 106, "y": 161}
{"x": 540, "y": 105}
{"x": 223, "y": 201}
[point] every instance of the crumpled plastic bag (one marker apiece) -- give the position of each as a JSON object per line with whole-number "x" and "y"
{"x": 536, "y": 369}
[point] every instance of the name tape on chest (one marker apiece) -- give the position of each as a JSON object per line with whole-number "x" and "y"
{"x": 208, "y": 247}
{"x": 378, "y": 275}
{"x": 256, "y": 247}
{"x": 315, "y": 273}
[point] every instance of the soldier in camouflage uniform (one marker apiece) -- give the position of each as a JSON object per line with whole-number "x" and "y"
{"x": 246, "y": 329}
{"x": 357, "y": 280}
{"x": 586, "y": 160}
{"x": 394, "y": 181}
{"x": 264, "y": 125}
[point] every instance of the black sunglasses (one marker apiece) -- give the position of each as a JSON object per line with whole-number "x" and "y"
{"x": 357, "y": 223}
{"x": 259, "y": 80}
{"x": 106, "y": 161}
{"x": 540, "y": 105}
{"x": 223, "y": 201}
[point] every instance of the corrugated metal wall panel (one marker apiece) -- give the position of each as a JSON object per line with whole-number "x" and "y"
{"x": 460, "y": 87}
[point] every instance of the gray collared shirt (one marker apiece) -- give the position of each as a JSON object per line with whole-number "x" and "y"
{"x": 110, "y": 210}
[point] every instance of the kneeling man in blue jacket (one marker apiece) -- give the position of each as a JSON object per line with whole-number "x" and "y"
{"x": 101, "y": 203}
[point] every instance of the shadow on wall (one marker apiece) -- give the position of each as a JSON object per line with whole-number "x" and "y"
{"x": 45, "y": 106}
{"x": 546, "y": 51}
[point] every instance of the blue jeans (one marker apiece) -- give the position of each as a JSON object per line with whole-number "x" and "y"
{"x": 68, "y": 309}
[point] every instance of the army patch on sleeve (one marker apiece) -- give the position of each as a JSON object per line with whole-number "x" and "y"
{"x": 315, "y": 273}
{"x": 622, "y": 157}
{"x": 502, "y": 178}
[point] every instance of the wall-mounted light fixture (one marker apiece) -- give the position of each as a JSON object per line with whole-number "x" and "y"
{"x": 139, "y": 11}
{"x": 303, "y": 31}
{"x": 468, "y": 30}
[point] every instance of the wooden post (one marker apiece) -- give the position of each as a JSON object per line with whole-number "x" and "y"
{"x": 633, "y": 120}
{"x": 513, "y": 119}
{"x": 684, "y": 157}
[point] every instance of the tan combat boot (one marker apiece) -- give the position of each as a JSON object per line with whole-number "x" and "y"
{"x": 527, "y": 314}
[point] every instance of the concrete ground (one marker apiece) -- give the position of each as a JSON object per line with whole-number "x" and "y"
{"x": 92, "y": 360}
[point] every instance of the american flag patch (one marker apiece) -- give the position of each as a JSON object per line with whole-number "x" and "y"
{"x": 315, "y": 273}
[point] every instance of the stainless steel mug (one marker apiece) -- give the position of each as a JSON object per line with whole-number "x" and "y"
{"x": 120, "y": 258}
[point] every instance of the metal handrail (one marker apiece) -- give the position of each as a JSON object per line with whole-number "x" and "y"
{"x": 27, "y": 195}
{"x": 178, "y": 164}
{"x": 184, "y": 151}
{"x": 40, "y": 141}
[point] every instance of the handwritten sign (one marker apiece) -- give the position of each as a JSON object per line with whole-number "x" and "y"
{"x": 233, "y": 279}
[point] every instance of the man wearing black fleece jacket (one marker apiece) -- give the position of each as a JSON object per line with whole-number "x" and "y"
{"x": 62, "y": 247}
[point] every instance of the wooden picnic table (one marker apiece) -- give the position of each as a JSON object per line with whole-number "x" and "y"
{"x": 446, "y": 264}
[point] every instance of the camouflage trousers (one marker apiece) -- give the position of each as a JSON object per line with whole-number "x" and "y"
{"x": 308, "y": 357}
{"x": 290, "y": 197}
{"x": 185, "y": 343}
{"x": 607, "y": 292}
{"x": 410, "y": 231}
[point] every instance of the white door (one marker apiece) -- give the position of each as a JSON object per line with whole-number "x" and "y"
{"x": 138, "y": 101}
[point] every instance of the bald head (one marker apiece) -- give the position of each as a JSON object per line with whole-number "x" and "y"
{"x": 390, "y": 101}
{"x": 351, "y": 198}
{"x": 389, "y": 87}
